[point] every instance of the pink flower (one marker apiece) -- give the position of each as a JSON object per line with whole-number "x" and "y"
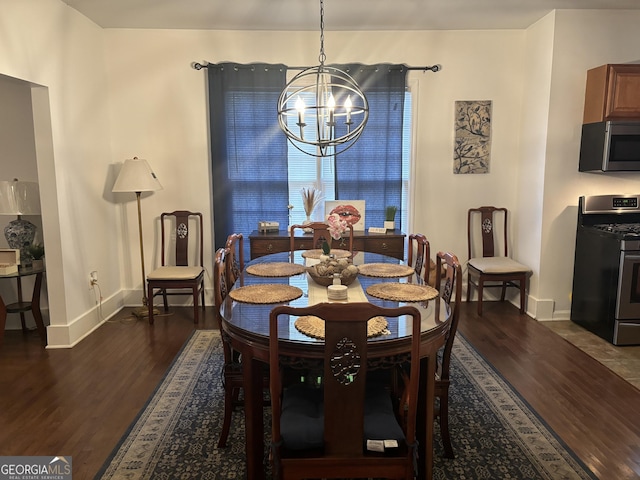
{"x": 337, "y": 226}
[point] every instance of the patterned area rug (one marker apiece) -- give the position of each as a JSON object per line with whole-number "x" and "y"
{"x": 495, "y": 434}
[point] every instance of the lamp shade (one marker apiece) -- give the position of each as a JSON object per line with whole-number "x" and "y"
{"x": 19, "y": 198}
{"x": 136, "y": 176}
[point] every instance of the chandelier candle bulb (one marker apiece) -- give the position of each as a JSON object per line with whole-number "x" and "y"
{"x": 332, "y": 106}
{"x": 300, "y": 107}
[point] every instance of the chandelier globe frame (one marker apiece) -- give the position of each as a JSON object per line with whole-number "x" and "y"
{"x": 322, "y": 110}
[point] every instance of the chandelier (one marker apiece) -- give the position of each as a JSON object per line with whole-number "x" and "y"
{"x": 322, "y": 111}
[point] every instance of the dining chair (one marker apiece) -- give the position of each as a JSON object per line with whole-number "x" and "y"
{"x": 232, "y": 367}
{"x": 235, "y": 244}
{"x": 182, "y": 269}
{"x": 320, "y": 235}
{"x": 449, "y": 288}
{"x": 418, "y": 247}
{"x": 346, "y": 425}
{"x": 488, "y": 264}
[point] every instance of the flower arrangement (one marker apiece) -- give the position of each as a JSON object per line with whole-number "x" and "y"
{"x": 337, "y": 226}
{"x": 311, "y": 197}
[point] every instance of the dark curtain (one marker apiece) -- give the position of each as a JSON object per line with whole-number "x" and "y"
{"x": 248, "y": 149}
{"x": 371, "y": 170}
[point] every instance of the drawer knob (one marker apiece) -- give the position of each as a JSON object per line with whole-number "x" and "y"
{"x": 385, "y": 246}
{"x": 270, "y": 247}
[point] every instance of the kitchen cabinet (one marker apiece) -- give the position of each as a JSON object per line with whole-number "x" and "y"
{"x": 612, "y": 93}
{"x": 390, "y": 243}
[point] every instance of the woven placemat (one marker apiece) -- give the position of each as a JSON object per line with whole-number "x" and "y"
{"x": 275, "y": 269}
{"x": 317, "y": 252}
{"x": 314, "y": 326}
{"x": 387, "y": 270}
{"x": 265, "y": 293}
{"x": 402, "y": 292}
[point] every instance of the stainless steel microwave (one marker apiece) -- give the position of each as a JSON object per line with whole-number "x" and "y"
{"x": 612, "y": 146}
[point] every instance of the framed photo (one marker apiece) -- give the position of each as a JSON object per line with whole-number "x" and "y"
{"x": 352, "y": 211}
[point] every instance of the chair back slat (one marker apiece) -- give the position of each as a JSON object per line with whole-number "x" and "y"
{"x": 419, "y": 243}
{"x": 450, "y": 287}
{"x": 488, "y": 230}
{"x": 235, "y": 245}
{"x": 176, "y": 226}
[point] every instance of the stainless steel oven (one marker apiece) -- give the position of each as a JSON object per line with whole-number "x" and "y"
{"x": 606, "y": 279}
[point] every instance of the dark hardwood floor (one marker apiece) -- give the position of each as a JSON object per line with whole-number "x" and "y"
{"x": 80, "y": 401}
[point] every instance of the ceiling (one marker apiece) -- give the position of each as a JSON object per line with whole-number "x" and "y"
{"x": 339, "y": 14}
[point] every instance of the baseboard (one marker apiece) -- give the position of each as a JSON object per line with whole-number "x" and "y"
{"x": 66, "y": 336}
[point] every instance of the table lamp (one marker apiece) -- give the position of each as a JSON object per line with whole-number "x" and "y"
{"x": 136, "y": 177}
{"x": 20, "y": 198}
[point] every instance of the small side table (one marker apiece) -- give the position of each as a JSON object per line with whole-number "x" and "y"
{"x": 20, "y": 306}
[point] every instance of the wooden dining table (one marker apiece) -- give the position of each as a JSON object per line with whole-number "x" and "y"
{"x": 246, "y": 323}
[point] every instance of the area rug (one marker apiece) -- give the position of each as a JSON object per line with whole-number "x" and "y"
{"x": 496, "y": 434}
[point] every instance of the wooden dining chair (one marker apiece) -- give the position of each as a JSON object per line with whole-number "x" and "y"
{"x": 232, "y": 368}
{"x": 235, "y": 258}
{"x": 181, "y": 271}
{"x": 338, "y": 429}
{"x": 320, "y": 235}
{"x": 419, "y": 254}
{"x": 488, "y": 265}
{"x": 449, "y": 288}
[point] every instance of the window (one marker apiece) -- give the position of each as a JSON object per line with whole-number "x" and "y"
{"x": 306, "y": 171}
{"x": 256, "y": 173}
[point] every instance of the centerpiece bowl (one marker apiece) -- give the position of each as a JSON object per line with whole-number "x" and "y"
{"x": 323, "y": 272}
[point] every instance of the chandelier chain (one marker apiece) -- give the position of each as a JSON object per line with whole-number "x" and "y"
{"x": 322, "y": 57}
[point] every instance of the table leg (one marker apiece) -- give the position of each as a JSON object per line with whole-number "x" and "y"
{"x": 35, "y": 308}
{"x": 424, "y": 426}
{"x": 253, "y": 416}
{"x": 22, "y": 317}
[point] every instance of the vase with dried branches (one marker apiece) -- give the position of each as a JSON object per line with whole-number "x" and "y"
{"x": 311, "y": 198}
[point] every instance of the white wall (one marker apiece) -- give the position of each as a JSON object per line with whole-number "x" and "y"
{"x": 59, "y": 53}
{"x": 115, "y": 94}
{"x": 582, "y": 40}
{"x": 160, "y": 110}
{"x": 18, "y": 160}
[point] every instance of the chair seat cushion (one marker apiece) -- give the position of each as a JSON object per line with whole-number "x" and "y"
{"x": 497, "y": 265}
{"x": 175, "y": 273}
{"x": 302, "y": 418}
{"x": 380, "y": 422}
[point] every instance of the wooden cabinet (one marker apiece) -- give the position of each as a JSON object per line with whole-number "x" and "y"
{"x": 391, "y": 243}
{"x": 612, "y": 93}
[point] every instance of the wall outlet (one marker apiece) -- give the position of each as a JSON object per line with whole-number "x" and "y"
{"x": 93, "y": 278}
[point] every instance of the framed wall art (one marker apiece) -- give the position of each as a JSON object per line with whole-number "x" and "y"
{"x": 352, "y": 211}
{"x": 472, "y": 144}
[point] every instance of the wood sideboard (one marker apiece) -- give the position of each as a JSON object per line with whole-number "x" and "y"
{"x": 390, "y": 243}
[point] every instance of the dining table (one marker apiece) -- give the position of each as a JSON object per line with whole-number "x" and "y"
{"x": 282, "y": 278}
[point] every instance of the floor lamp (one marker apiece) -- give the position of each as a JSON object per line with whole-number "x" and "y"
{"x": 136, "y": 177}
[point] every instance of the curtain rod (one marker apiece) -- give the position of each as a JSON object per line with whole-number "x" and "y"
{"x": 431, "y": 68}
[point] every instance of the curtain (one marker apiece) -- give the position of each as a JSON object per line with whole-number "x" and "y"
{"x": 371, "y": 170}
{"x": 248, "y": 149}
